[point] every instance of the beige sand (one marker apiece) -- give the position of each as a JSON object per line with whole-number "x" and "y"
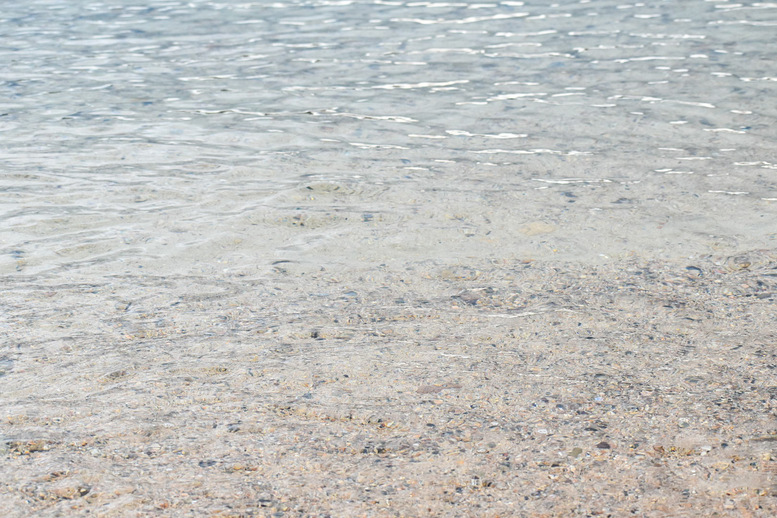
{"x": 506, "y": 388}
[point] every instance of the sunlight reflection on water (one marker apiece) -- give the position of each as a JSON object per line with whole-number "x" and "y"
{"x": 169, "y": 132}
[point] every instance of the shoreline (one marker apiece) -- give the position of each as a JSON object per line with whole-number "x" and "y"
{"x": 520, "y": 389}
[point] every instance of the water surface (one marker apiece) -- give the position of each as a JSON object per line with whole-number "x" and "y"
{"x": 225, "y": 136}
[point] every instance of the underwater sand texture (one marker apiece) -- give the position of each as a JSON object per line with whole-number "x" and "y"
{"x": 309, "y": 258}
{"x": 499, "y": 389}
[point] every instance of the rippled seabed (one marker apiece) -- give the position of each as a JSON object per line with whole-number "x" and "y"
{"x": 208, "y": 185}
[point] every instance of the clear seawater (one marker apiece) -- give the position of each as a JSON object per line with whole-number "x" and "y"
{"x": 225, "y": 136}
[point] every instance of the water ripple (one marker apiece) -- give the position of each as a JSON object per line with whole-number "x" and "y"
{"x": 133, "y": 134}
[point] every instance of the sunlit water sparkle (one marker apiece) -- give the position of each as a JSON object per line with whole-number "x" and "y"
{"x": 190, "y": 136}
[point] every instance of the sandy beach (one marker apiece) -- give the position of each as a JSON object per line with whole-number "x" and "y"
{"x": 500, "y": 389}
{"x": 387, "y": 258}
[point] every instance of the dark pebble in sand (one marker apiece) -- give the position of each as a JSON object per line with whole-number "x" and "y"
{"x": 693, "y": 271}
{"x": 603, "y": 445}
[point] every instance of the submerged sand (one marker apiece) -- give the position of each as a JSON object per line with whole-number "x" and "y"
{"x": 355, "y": 258}
{"x": 504, "y": 388}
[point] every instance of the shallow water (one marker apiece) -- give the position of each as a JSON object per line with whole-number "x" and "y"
{"x": 387, "y": 258}
{"x": 224, "y": 136}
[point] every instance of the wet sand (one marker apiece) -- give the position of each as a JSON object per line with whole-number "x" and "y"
{"x": 388, "y": 259}
{"x": 503, "y": 388}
